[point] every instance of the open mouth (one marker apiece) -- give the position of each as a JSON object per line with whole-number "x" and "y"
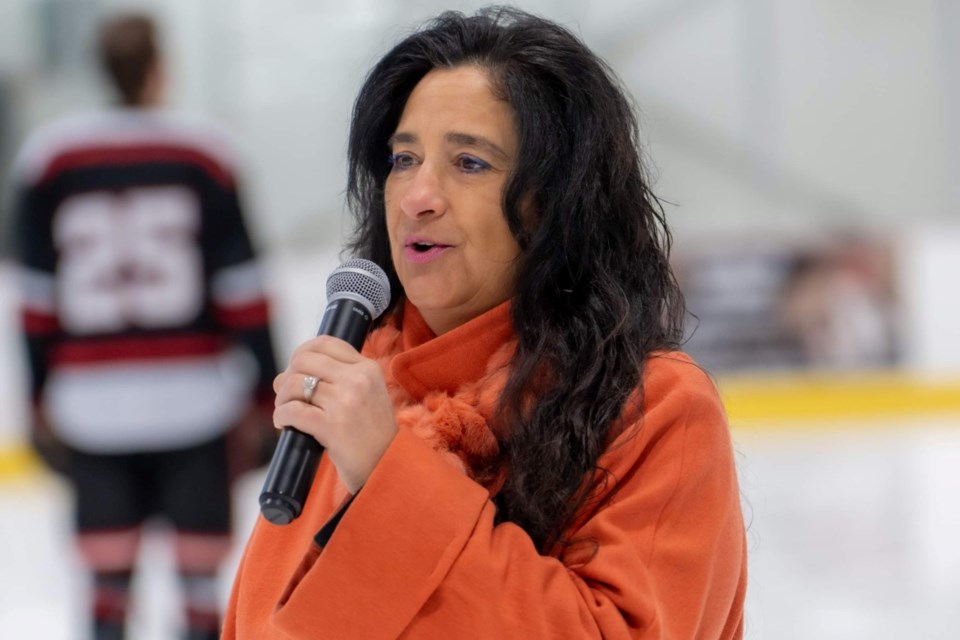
{"x": 421, "y": 251}
{"x": 422, "y": 247}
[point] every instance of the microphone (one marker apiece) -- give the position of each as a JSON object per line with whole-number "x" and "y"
{"x": 358, "y": 291}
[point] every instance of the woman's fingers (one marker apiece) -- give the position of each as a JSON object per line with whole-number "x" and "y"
{"x": 348, "y": 409}
{"x": 304, "y": 417}
{"x": 328, "y": 345}
{"x": 290, "y": 385}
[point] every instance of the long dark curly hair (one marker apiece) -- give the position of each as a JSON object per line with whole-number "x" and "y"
{"x": 594, "y": 293}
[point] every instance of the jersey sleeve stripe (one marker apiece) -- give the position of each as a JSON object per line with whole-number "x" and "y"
{"x": 237, "y": 285}
{"x": 37, "y": 323}
{"x": 37, "y": 290}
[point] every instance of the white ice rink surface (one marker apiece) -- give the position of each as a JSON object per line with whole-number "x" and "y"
{"x": 854, "y": 533}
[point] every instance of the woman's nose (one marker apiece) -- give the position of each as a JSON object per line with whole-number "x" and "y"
{"x": 424, "y": 193}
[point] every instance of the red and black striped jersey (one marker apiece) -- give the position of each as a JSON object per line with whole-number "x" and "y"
{"x": 138, "y": 279}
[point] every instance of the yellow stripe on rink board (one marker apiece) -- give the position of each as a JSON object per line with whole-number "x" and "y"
{"x": 774, "y": 401}
{"x": 16, "y": 462}
{"x": 799, "y": 399}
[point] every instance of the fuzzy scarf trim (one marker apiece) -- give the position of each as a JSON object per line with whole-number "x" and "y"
{"x": 457, "y": 426}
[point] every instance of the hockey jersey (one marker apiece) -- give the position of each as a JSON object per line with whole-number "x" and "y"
{"x": 138, "y": 279}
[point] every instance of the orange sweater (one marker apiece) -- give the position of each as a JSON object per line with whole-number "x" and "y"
{"x": 417, "y": 554}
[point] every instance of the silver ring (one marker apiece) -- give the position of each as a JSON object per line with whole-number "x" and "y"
{"x": 309, "y": 385}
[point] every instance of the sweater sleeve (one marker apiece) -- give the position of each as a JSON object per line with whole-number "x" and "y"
{"x": 238, "y": 291}
{"x": 661, "y": 555}
{"x": 36, "y": 255}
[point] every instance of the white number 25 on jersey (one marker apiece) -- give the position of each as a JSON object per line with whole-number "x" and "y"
{"x": 128, "y": 259}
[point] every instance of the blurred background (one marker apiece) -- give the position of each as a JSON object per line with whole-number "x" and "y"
{"x": 808, "y": 156}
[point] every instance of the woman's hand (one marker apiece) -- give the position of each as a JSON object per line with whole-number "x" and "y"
{"x": 349, "y": 411}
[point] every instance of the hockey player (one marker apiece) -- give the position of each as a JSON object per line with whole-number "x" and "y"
{"x": 139, "y": 278}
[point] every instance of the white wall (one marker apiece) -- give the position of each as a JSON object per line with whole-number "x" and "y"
{"x": 764, "y": 114}
{"x": 930, "y": 271}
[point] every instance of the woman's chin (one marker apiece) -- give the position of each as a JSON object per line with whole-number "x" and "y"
{"x": 428, "y": 290}
{"x": 430, "y": 302}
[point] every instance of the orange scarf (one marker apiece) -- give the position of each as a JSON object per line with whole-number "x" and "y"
{"x": 456, "y": 425}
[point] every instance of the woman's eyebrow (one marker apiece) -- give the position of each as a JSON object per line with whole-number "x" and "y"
{"x": 470, "y": 140}
{"x": 454, "y": 137}
{"x": 400, "y": 136}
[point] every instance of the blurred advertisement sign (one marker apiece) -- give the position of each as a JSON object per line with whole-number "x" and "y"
{"x": 828, "y": 304}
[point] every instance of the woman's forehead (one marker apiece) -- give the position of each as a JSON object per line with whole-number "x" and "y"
{"x": 460, "y": 104}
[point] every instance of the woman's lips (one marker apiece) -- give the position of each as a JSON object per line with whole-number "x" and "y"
{"x": 412, "y": 254}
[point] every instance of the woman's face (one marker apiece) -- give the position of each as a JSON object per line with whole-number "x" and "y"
{"x": 453, "y": 149}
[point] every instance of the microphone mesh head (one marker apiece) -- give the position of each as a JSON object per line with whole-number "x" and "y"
{"x": 360, "y": 280}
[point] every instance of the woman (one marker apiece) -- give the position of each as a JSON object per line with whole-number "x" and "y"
{"x": 537, "y": 459}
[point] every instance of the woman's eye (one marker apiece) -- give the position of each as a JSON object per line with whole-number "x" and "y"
{"x": 469, "y": 164}
{"x": 400, "y": 161}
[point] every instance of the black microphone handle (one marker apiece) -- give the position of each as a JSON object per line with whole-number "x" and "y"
{"x": 292, "y": 468}
{"x": 348, "y": 320}
{"x": 297, "y": 456}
